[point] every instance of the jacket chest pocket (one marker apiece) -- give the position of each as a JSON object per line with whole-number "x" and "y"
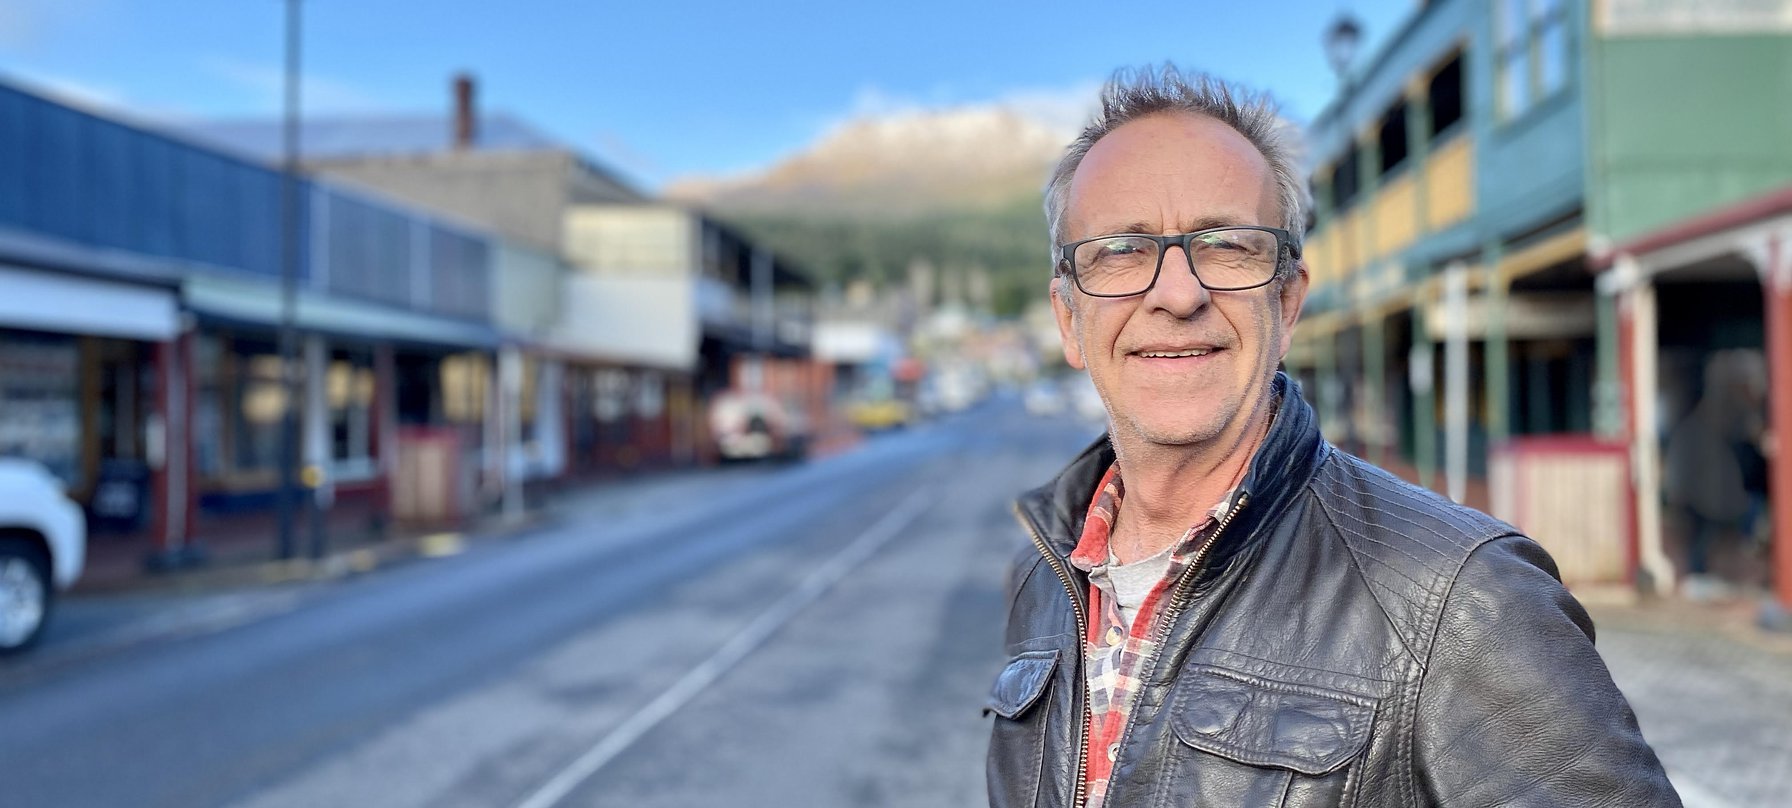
{"x": 1017, "y": 741}
{"x": 1245, "y": 741}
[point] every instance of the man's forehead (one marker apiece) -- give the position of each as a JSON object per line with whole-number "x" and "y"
{"x": 1171, "y": 171}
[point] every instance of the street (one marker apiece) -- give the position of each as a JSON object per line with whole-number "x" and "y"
{"x": 816, "y": 634}
{"x": 841, "y": 619}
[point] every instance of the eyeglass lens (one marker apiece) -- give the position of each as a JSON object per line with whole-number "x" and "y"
{"x": 1237, "y": 258}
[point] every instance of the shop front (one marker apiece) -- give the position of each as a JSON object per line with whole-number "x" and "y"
{"x": 89, "y": 379}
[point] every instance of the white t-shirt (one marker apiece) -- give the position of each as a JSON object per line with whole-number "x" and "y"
{"x": 1133, "y": 582}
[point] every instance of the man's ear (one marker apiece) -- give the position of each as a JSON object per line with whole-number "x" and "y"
{"x": 1293, "y": 295}
{"x": 1073, "y": 354}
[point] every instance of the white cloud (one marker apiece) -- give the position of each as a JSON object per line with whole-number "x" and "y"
{"x": 268, "y": 84}
{"x": 1062, "y": 109}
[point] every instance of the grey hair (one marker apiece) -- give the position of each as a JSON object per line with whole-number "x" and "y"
{"x": 1133, "y": 94}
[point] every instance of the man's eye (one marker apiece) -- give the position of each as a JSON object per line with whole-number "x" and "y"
{"x": 1120, "y": 248}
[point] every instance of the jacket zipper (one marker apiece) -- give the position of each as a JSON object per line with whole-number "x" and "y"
{"x": 1082, "y": 633}
{"x": 1179, "y": 598}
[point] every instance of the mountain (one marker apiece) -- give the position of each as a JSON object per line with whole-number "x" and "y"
{"x": 957, "y": 190}
{"x": 907, "y": 163}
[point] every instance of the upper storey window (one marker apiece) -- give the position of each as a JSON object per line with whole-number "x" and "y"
{"x": 1391, "y": 137}
{"x": 1444, "y": 96}
{"x": 1530, "y": 52}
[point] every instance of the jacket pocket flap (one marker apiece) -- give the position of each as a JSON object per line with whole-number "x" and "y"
{"x": 1256, "y": 722}
{"x": 1020, "y": 683}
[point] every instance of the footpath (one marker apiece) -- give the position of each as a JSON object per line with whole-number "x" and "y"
{"x": 1713, "y": 693}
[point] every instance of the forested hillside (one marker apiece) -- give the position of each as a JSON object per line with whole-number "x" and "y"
{"x": 959, "y": 190}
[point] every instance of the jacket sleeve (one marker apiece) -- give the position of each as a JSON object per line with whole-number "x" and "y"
{"x": 1515, "y": 707}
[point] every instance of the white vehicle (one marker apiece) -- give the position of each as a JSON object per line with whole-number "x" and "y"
{"x": 750, "y": 426}
{"x": 43, "y": 545}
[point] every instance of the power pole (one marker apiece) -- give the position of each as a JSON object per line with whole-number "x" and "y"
{"x": 289, "y": 292}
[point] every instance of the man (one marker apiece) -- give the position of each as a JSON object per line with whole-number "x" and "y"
{"x": 1220, "y": 608}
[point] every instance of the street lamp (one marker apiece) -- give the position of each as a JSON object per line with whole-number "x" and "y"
{"x": 1342, "y": 38}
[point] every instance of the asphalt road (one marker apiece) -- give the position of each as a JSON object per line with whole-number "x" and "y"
{"x": 820, "y": 634}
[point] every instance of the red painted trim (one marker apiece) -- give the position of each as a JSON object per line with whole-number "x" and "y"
{"x": 1627, "y": 394}
{"x": 1778, "y": 295}
{"x": 1742, "y": 213}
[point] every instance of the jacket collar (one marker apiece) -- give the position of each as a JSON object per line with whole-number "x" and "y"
{"x": 1282, "y": 465}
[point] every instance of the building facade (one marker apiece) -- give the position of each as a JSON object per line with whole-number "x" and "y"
{"x": 143, "y": 280}
{"x": 1473, "y": 181}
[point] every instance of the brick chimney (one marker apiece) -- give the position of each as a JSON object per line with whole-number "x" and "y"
{"x": 466, "y": 120}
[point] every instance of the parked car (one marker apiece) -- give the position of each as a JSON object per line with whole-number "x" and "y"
{"x": 43, "y": 545}
{"x": 752, "y": 426}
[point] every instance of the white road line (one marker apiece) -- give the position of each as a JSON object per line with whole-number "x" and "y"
{"x": 1693, "y": 795}
{"x": 731, "y": 653}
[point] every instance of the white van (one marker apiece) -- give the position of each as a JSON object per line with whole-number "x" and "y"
{"x": 43, "y": 545}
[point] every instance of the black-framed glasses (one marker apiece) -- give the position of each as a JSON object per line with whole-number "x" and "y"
{"x": 1222, "y": 259}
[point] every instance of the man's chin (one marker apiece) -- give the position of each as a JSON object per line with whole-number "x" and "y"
{"x": 1172, "y": 433}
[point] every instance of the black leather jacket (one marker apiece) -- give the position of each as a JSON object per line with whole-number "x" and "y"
{"x": 1350, "y": 640}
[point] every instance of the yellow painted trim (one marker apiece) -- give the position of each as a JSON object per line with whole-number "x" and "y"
{"x": 1546, "y": 253}
{"x": 1385, "y": 309}
{"x": 1319, "y": 325}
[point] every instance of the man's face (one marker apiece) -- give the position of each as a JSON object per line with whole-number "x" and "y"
{"x": 1176, "y": 173}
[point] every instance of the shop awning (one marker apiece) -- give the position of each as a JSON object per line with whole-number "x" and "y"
{"x": 259, "y": 304}
{"x": 75, "y": 304}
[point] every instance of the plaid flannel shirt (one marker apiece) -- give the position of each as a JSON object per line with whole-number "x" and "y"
{"x": 1114, "y": 656}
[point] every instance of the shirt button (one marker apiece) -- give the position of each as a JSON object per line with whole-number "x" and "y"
{"x": 1113, "y": 751}
{"x": 1114, "y": 636}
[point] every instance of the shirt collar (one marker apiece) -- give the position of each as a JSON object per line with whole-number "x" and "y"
{"x": 1098, "y": 526}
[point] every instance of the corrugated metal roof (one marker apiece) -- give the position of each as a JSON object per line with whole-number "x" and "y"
{"x": 369, "y": 136}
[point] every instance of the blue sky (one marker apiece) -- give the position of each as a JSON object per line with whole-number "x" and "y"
{"x": 664, "y": 89}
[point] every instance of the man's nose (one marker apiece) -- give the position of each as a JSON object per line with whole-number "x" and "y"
{"x": 1177, "y": 290}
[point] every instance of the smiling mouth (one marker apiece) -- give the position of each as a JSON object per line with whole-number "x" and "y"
{"x": 1192, "y": 352}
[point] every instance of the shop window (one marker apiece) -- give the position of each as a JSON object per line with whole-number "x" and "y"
{"x": 1445, "y": 96}
{"x": 466, "y": 382}
{"x": 40, "y": 398}
{"x": 260, "y": 406}
{"x": 208, "y": 410}
{"x": 650, "y": 396}
{"x": 1392, "y": 138}
{"x": 610, "y": 399}
{"x": 349, "y": 391}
